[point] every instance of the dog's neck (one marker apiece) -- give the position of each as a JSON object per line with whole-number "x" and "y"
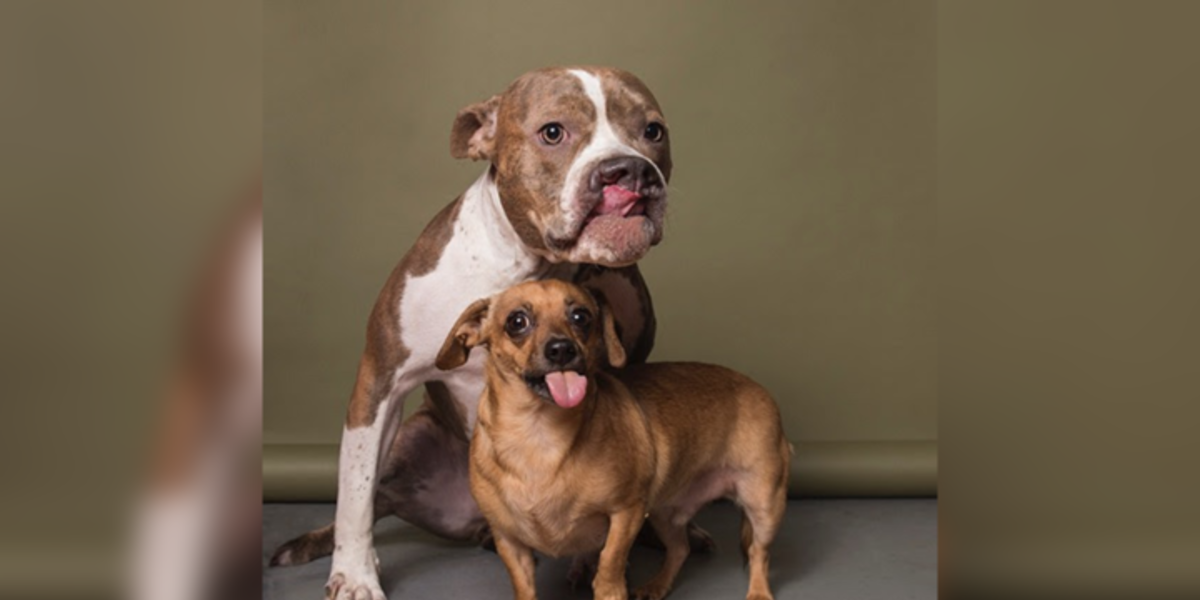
{"x": 494, "y": 242}
{"x": 516, "y": 417}
{"x": 483, "y": 221}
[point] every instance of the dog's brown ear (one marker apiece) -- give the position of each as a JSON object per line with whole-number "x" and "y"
{"x": 612, "y": 339}
{"x": 466, "y": 334}
{"x": 474, "y": 133}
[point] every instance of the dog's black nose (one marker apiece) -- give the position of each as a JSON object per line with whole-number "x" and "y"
{"x": 630, "y": 172}
{"x": 561, "y": 351}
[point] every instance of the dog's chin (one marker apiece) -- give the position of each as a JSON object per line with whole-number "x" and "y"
{"x": 613, "y": 240}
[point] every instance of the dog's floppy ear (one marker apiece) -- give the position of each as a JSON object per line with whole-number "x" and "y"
{"x": 466, "y": 334}
{"x": 474, "y": 133}
{"x": 612, "y": 341}
{"x": 612, "y": 338}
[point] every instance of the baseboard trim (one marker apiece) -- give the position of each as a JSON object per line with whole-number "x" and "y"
{"x": 865, "y": 469}
{"x": 308, "y": 472}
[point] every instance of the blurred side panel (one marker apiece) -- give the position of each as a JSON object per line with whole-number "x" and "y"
{"x": 130, "y": 133}
{"x": 1069, "y": 141}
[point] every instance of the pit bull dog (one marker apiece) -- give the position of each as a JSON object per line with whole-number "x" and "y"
{"x": 576, "y": 189}
{"x": 568, "y": 459}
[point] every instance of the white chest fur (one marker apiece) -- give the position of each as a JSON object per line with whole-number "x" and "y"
{"x": 484, "y": 256}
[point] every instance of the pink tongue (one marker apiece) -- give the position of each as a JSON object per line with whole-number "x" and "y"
{"x": 617, "y": 200}
{"x": 567, "y": 387}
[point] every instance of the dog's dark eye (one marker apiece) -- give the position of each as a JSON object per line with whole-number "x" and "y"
{"x": 655, "y": 132}
{"x": 552, "y": 133}
{"x": 581, "y": 318}
{"x": 517, "y": 323}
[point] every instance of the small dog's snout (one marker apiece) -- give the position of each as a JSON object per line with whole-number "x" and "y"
{"x": 630, "y": 172}
{"x": 561, "y": 351}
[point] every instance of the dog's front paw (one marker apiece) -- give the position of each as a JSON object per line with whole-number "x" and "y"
{"x": 355, "y": 580}
{"x": 611, "y": 592}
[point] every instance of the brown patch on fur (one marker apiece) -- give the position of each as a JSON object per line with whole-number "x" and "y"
{"x": 385, "y": 351}
{"x": 366, "y": 387}
{"x": 530, "y": 175}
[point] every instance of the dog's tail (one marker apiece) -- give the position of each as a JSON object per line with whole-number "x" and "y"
{"x": 306, "y": 548}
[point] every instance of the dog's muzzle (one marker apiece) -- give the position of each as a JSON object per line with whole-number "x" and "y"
{"x": 618, "y": 215}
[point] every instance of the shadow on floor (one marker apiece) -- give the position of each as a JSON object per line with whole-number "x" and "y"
{"x": 837, "y": 549}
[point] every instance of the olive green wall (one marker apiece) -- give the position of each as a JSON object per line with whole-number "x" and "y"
{"x": 800, "y": 239}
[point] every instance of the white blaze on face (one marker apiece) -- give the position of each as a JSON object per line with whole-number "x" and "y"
{"x": 605, "y": 144}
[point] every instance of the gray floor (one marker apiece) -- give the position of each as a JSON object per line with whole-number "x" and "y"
{"x": 828, "y": 549}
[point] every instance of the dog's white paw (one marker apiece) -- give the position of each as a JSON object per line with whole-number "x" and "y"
{"x": 342, "y": 587}
{"x": 355, "y": 579}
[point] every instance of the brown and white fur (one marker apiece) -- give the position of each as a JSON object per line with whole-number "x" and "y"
{"x": 195, "y": 529}
{"x": 569, "y": 459}
{"x": 575, "y": 189}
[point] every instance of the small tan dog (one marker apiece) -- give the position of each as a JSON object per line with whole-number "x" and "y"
{"x": 568, "y": 459}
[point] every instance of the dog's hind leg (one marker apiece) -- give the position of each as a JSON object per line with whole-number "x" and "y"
{"x": 425, "y": 479}
{"x": 304, "y": 548}
{"x": 763, "y": 502}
